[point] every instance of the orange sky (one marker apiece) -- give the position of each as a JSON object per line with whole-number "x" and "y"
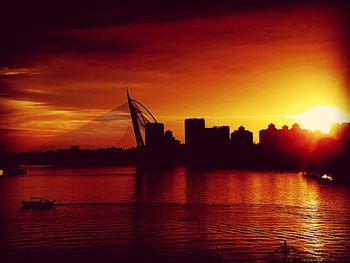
{"x": 246, "y": 68}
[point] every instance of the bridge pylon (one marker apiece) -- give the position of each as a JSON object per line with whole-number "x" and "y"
{"x": 140, "y": 115}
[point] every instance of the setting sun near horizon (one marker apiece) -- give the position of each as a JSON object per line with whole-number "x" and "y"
{"x": 320, "y": 118}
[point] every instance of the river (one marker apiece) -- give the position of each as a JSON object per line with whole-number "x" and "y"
{"x": 120, "y": 214}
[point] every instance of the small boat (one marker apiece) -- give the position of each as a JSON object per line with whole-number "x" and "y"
{"x": 37, "y": 202}
{"x": 322, "y": 177}
{"x": 285, "y": 253}
{"x": 12, "y": 171}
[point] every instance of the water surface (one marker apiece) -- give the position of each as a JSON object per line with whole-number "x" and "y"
{"x": 178, "y": 215}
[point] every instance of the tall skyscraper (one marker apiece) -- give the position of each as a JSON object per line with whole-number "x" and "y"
{"x": 154, "y": 133}
{"x": 194, "y": 131}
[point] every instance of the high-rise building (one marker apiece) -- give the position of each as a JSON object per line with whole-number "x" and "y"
{"x": 242, "y": 137}
{"x": 194, "y": 131}
{"x": 154, "y": 133}
{"x": 268, "y": 137}
{"x": 217, "y": 136}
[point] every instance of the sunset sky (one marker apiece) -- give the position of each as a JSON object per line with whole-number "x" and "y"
{"x": 234, "y": 64}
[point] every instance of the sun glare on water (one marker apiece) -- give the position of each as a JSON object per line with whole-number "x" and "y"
{"x": 320, "y": 118}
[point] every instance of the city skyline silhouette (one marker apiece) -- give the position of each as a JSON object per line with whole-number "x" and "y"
{"x": 114, "y": 128}
{"x": 285, "y": 149}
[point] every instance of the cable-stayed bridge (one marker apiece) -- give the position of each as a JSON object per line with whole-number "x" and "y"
{"x": 122, "y": 127}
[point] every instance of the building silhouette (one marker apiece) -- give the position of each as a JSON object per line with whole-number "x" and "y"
{"x": 169, "y": 140}
{"x": 217, "y": 136}
{"x": 268, "y": 137}
{"x": 198, "y": 136}
{"x": 154, "y": 134}
{"x": 342, "y": 133}
{"x": 194, "y": 132}
{"x": 74, "y": 148}
{"x": 241, "y": 138}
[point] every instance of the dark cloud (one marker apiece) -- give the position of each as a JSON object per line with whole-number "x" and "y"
{"x": 11, "y": 131}
{"x": 30, "y": 27}
{"x": 15, "y": 51}
{"x": 87, "y": 14}
{"x": 53, "y": 42}
{"x": 10, "y": 91}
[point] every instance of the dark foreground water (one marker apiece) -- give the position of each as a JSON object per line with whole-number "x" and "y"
{"x": 119, "y": 215}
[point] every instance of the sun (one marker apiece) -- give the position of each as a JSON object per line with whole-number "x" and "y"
{"x": 320, "y": 118}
